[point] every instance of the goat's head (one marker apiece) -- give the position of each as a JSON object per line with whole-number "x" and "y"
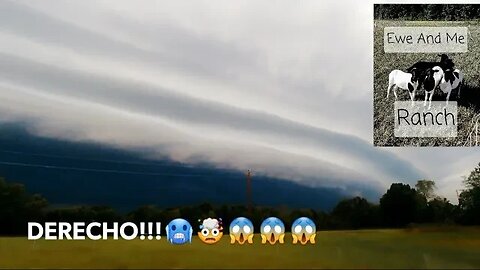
{"x": 433, "y": 70}
{"x": 449, "y": 64}
{"x": 415, "y": 74}
{"x": 431, "y": 74}
{"x": 445, "y": 61}
{"x": 449, "y": 75}
{"x": 443, "y": 57}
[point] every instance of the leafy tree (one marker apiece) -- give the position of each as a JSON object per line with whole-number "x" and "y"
{"x": 440, "y": 210}
{"x": 321, "y": 219}
{"x": 84, "y": 214}
{"x": 426, "y": 188}
{"x": 401, "y": 205}
{"x": 354, "y": 213}
{"x": 473, "y": 180}
{"x": 469, "y": 204}
{"x": 17, "y": 207}
{"x": 147, "y": 213}
{"x": 469, "y": 199}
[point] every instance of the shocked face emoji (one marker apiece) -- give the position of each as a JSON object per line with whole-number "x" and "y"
{"x": 303, "y": 230}
{"x": 211, "y": 231}
{"x": 241, "y": 231}
{"x": 272, "y": 230}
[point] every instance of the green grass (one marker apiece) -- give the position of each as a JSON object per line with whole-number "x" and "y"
{"x": 469, "y": 103}
{"x": 419, "y": 248}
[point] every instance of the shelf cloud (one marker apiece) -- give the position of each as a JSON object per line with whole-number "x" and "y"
{"x": 282, "y": 89}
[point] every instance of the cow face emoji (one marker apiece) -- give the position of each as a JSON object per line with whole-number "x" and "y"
{"x": 241, "y": 231}
{"x": 211, "y": 230}
{"x": 303, "y": 230}
{"x": 272, "y": 230}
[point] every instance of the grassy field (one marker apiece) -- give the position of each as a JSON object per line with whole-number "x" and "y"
{"x": 425, "y": 248}
{"x": 469, "y": 103}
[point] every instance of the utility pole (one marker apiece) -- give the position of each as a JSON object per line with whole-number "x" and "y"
{"x": 249, "y": 191}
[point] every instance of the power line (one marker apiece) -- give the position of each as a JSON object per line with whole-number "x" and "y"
{"x": 153, "y": 163}
{"x": 111, "y": 171}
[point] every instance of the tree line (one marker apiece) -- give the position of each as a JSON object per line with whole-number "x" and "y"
{"x": 401, "y": 206}
{"x": 440, "y": 12}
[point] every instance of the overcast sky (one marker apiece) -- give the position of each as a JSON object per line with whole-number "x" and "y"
{"x": 280, "y": 87}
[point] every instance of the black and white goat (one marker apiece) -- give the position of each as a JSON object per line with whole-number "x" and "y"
{"x": 403, "y": 80}
{"x": 445, "y": 63}
{"x": 432, "y": 79}
{"x": 423, "y": 67}
{"x": 452, "y": 79}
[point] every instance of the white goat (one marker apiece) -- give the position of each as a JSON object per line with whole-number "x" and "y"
{"x": 432, "y": 80}
{"x": 403, "y": 80}
{"x": 451, "y": 80}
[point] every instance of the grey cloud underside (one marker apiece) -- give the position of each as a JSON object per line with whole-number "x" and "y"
{"x": 282, "y": 147}
{"x": 151, "y": 100}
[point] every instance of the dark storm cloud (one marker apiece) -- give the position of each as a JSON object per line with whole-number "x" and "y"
{"x": 282, "y": 89}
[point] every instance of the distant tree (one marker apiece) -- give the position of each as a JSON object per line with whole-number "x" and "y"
{"x": 147, "y": 213}
{"x": 354, "y": 213}
{"x": 171, "y": 213}
{"x": 469, "y": 204}
{"x": 426, "y": 188}
{"x": 469, "y": 199}
{"x": 207, "y": 209}
{"x": 473, "y": 179}
{"x": 401, "y": 205}
{"x": 17, "y": 207}
{"x": 260, "y": 213}
{"x": 84, "y": 214}
{"x": 191, "y": 213}
{"x": 440, "y": 210}
{"x": 321, "y": 219}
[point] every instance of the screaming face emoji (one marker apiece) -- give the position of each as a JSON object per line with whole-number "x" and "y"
{"x": 272, "y": 230}
{"x": 241, "y": 231}
{"x": 303, "y": 230}
{"x": 211, "y": 231}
